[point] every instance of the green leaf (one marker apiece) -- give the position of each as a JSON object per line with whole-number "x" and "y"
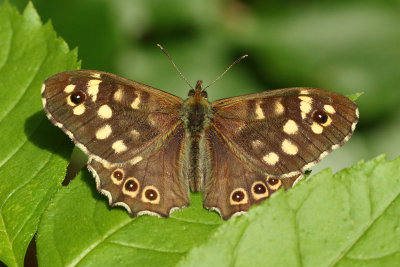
{"x": 30, "y": 171}
{"x": 79, "y": 228}
{"x": 347, "y": 219}
{"x": 327, "y": 220}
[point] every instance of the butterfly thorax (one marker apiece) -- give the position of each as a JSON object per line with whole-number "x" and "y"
{"x": 196, "y": 115}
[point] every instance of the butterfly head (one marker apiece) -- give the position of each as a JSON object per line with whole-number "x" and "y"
{"x": 198, "y": 92}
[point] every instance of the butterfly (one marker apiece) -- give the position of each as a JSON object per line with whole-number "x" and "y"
{"x": 148, "y": 149}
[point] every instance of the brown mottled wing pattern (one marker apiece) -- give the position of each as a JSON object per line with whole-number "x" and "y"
{"x": 234, "y": 187}
{"x": 153, "y": 185}
{"x": 284, "y": 132}
{"x": 115, "y": 115}
{"x": 132, "y": 133}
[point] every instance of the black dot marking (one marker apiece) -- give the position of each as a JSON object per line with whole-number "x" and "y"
{"x": 78, "y": 97}
{"x": 238, "y": 196}
{"x": 151, "y": 194}
{"x": 259, "y": 189}
{"x": 131, "y": 185}
{"x": 320, "y": 117}
{"x": 118, "y": 175}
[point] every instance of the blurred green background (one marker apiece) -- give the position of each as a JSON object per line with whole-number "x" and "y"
{"x": 344, "y": 46}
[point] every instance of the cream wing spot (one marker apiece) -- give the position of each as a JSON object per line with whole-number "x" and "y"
{"x": 316, "y": 128}
{"x": 259, "y": 112}
{"x": 329, "y": 109}
{"x": 256, "y": 144}
{"x": 289, "y": 148}
{"x": 106, "y": 164}
{"x": 69, "y": 88}
{"x": 306, "y": 99}
{"x": 290, "y": 127}
{"x": 136, "y": 102}
{"x": 119, "y": 146}
{"x": 93, "y": 88}
{"x": 135, "y": 133}
{"x": 136, "y": 160}
{"x": 96, "y": 75}
{"x": 279, "y": 109}
{"x": 271, "y": 158}
{"x": 304, "y": 92}
{"x": 305, "y": 105}
{"x": 118, "y": 95}
{"x": 79, "y": 110}
{"x": 104, "y": 132}
{"x": 104, "y": 112}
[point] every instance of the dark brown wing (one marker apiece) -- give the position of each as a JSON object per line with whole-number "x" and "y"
{"x": 233, "y": 187}
{"x": 284, "y": 132}
{"x": 152, "y": 185}
{"x": 109, "y": 117}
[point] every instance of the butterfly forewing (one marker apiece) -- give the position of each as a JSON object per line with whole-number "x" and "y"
{"x": 109, "y": 117}
{"x": 284, "y": 132}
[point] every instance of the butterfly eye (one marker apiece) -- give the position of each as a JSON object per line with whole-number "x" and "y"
{"x": 320, "y": 117}
{"x": 204, "y": 94}
{"x": 78, "y": 97}
{"x": 191, "y": 93}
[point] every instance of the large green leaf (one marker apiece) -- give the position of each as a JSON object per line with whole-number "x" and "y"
{"x": 347, "y": 219}
{"x": 30, "y": 171}
{"x": 328, "y": 220}
{"x": 80, "y": 229}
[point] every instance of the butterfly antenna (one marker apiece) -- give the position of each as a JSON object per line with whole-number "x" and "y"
{"x": 173, "y": 63}
{"x": 228, "y": 68}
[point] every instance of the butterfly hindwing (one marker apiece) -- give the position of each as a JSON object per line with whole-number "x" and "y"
{"x": 232, "y": 186}
{"x": 284, "y": 132}
{"x": 155, "y": 184}
{"x": 107, "y": 116}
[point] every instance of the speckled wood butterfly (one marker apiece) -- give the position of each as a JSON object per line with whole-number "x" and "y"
{"x": 147, "y": 148}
